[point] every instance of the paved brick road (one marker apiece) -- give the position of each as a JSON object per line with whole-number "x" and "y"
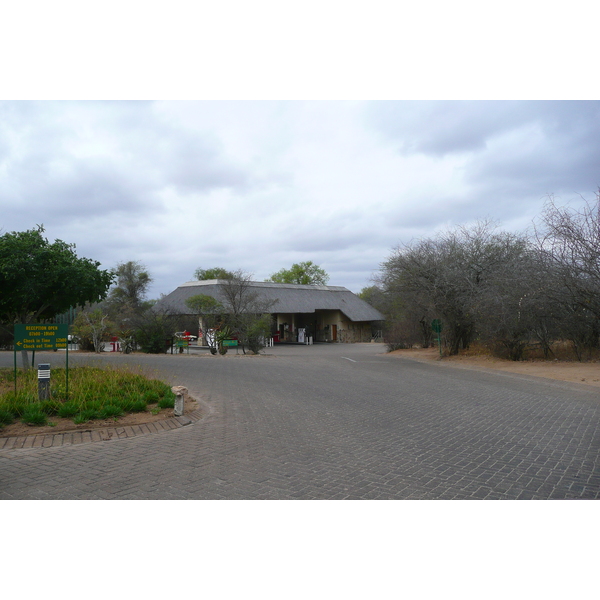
{"x": 334, "y": 421}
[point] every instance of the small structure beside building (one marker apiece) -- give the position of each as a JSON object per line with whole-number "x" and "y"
{"x": 324, "y": 313}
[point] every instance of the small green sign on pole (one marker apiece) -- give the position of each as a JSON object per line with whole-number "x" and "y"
{"x": 181, "y": 344}
{"x": 437, "y": 326}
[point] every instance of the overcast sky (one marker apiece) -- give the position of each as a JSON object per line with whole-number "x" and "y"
{"x": 259, "y": 185}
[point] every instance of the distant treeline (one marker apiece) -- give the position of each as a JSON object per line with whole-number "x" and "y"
{"x": 509, "y": 292}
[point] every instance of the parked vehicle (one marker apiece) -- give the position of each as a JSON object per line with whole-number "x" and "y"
{"x": 185, "y": 335}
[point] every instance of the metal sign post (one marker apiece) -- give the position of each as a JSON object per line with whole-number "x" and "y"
{"x": 437, "y": 326}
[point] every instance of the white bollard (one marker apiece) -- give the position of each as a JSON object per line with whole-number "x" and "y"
{"x": 43, "y": 381}
{"x": 179, "y": 391}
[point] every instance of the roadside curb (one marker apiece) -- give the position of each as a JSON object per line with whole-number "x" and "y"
{"x": 70, "y": 438}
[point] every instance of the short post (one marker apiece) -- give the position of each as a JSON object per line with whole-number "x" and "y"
{"x": 43, "y": 381}
{"x": 179, "y": 392}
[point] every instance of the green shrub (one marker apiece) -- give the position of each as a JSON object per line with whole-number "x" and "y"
{"x": 151, "y": 397}
{"x": 154, "y": 332}
{"x": 159, "y": 387}
{"x": 34, "y": 416}
{"x": 94, "y": 405}
{"x": 167, "y": 402}
{"x": 18, "y": 403}
{"x": 126, "y": 404}
{"x": 110, "y": 411}
{"x": 68, "y": 410}
{"x": 88, "y": 414}
{"x": 50, "y": 407}
{"x": 138, "y": 406}
{"x": 6, "y": 417}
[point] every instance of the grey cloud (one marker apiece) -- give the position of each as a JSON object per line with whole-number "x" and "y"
{"x": 41, "y": 156}
{"x": 318, "y": 242}
{"x": 90, "y": 188}
{"x": 312, "y": 233}
{"x": 565, "y": 159}
{"x": 549, "y": 147}
{"x": 439, "y": 128}
{"x": 193, "y": 164}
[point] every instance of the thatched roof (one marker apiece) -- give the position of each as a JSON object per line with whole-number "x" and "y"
{"x": 286, "y": 298}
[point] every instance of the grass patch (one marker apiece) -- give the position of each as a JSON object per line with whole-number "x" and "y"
{"x": 139, "y": 406}
{"x": 167, "y": 401}
{"x": 68, "y": 410}
{"x": 6, "y": 417}
{"x": 151, "y": 397}
{"x": 34, "y": 416}
{"x": 94, "y": 393}
{"x": 89, "y": 414}
{"x": 110, "y": 411}
{"x": 49, "y": 407}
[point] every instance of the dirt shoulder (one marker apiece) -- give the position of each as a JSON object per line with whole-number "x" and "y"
{"x": 585, "y": 373}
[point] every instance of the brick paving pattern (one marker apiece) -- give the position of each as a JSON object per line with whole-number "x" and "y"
{"x": 306, "y": 423}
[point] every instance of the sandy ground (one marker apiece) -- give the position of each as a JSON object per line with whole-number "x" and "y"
{"x": 587, "y": 373}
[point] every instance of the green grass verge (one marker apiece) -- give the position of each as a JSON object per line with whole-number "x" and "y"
{"x": 94, "y": 393}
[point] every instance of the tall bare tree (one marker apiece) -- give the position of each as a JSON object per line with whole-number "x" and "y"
{"x": 465, "y": 277}
{"x": 569, "y": 240}
{"x": 248, "y": 314}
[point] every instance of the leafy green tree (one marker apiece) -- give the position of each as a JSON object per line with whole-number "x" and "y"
{"x": 132, "y": 284}
{"x": 203, "y": 304}
{"x": 304, "y": 273}
{"x": 39, "y": 279}
{"x": 214, "y": 273}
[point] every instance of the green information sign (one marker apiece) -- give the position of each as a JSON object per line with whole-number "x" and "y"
{"x": 36, "y": 336}
{"x": 230, "y": 343}
{"x": 41, "y": 337}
